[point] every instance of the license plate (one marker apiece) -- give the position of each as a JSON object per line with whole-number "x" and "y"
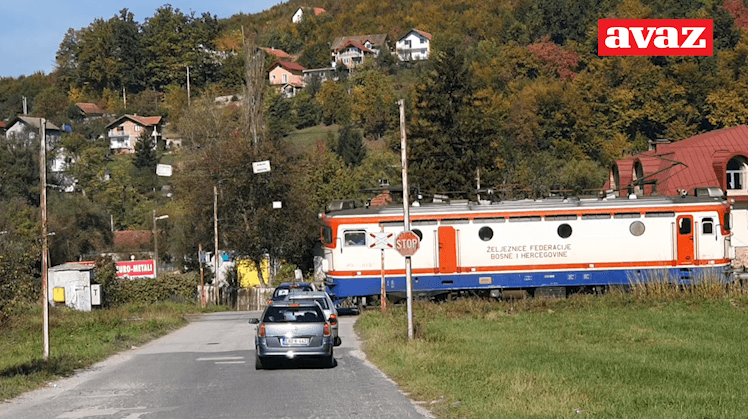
{"x": 294, "y": 341}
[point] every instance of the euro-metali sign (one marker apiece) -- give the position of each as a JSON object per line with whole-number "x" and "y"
{"x": 655, "y": 37}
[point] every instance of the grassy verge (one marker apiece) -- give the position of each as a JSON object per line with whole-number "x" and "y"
{"x": 615, "y": 356}
{"x": 77, "y": 340}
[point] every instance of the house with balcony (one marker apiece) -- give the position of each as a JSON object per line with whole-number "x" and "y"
{"x": 287, "y": 76}
{"x": 413, "y": 46}
{"x": 124, "y": 131}
{"x": 352, "y": 51}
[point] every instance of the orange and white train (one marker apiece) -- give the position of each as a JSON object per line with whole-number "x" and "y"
{"x": 538, "y": 247}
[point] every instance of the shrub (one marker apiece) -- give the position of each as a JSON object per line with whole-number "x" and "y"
{"x": 180, "y": 288}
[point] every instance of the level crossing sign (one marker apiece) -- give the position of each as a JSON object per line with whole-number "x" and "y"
{"x": 380, "y": 240}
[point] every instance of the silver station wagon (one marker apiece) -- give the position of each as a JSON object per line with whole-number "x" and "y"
{"x": 293, "y": 330}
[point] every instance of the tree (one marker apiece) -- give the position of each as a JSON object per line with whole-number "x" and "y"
{"x": 145, "y": 153}
{"x": 20, "y": 256}
{"x": 19, "y": 177}
{"x": 173, "y": 41}
{"x": 334, "y": 101}
{"x": 278, "y": 115}
{"x": 447, "y": 144}
{"x": 350, "y": 146}
{"x": 51, "y": 103}
{"x": 306, "y": 110}
{"x": 315, "y": 56}
{"x": 81, "y": 228}
{"x": 373, "y": 103}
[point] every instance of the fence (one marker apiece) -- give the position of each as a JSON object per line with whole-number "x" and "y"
{"x": 243, "y": 299}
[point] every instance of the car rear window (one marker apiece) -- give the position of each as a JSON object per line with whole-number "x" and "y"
{"x": 293, "y": 315}
{"x": 322, "y": 301}
{"x": 281, "y": 291}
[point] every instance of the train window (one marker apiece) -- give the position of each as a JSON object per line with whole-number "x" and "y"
{"x": 596, "y": 216}
{"x": 485, "y": 233}
{"x": 627, "y": 215}
{"x": 707, "y": 226}
{"x": 637, "y": 228}
{"x": 564, "y": 231}
{"x": 418, "y": 233}
{"x": 525, "y": 219}
{"x": 561, "y": 217}
{"x": 684, "y": 225}
{"x": 663, "y": 214}
{"x": 355, "y": 238}
{"x": 326, "y": 235}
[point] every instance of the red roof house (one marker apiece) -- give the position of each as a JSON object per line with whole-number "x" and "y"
{"x": 713, "y": 159}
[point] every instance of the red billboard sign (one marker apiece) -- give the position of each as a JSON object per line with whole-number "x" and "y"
{"x": 655, "y": 37}
{"x": 136, "y": 269}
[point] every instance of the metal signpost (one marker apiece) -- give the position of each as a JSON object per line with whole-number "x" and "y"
{"x": 406, "y": 216}
{"x": 381, "y": 241}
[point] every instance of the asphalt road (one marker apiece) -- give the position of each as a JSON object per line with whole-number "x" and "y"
{"x": 206, "y": 370}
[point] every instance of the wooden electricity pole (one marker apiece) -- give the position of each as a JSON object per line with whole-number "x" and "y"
{"x": 45, "y": 262}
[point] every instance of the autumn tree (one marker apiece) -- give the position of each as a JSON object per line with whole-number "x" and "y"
{"x": 350, "y": 146}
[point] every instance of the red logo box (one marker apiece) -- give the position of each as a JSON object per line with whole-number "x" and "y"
{"x": 655, "y": 37}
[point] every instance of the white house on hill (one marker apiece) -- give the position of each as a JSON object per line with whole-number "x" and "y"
{"x": 124, "y": 131}
{"x": 413, "y": 46}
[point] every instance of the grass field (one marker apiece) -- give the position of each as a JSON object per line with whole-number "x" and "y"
{"x": 615, "y": 356}
{"x": 304, "y": 139}
{"x": 77, "y": 340}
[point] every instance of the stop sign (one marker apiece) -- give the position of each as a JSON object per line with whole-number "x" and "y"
{"x": 407, "y": 243}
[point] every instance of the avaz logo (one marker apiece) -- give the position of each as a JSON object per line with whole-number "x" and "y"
{"x": 655, "y": 37}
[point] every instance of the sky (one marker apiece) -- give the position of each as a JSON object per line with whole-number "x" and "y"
{"x": 31, "y": 30}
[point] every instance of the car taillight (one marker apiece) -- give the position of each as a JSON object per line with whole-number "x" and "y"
{"x": 333, "y": 319}
{"x": 327, "y": 329}
{"x": 262, "y": 331}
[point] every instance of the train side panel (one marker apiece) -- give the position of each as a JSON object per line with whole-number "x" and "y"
{"x": 469, "y": 252}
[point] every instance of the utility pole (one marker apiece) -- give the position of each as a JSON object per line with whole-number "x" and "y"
{"x": 406, "y": 216}
{"x": 45, "y": 262}
{"x": 202, "y": 277}
{"x": 155, "y": 246}
{"x": 188, "y": 86}
{"x": 155, "y": 242}
{"x": 215, "y": 233}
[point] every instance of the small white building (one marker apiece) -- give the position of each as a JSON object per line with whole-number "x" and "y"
{"x": 296, "y": 18}
{"x": 414, "y": 46}
{"x": 70, "y": 284}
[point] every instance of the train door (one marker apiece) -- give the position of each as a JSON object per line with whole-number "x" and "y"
{"x": 447, "y": 250}
{"x": 685, "y": 239}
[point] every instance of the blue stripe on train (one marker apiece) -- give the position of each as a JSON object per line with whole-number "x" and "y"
{"x": 341, "y": 288}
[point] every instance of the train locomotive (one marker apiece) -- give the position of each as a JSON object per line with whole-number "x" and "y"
{"x": 503, "y": 249}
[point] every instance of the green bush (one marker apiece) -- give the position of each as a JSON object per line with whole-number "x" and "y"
{"x": 181, "y": 288}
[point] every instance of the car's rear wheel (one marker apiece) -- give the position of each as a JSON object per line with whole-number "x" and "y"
{"x": 259, "y": 362}
{"x": 330, "y": 360}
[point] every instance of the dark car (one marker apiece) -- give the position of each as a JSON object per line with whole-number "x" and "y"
{"x": 282, "y": 290}
{"x": 293, "y": 330}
